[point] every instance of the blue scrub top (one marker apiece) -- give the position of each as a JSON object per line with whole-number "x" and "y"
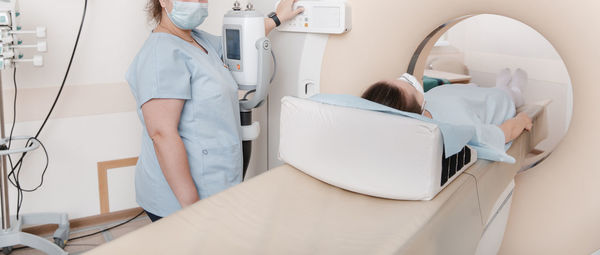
{"x": 169, "y": 67}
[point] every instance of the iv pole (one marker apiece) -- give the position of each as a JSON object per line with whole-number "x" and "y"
{"x": 3, "y": 169}
{"x": 11, "y": 233}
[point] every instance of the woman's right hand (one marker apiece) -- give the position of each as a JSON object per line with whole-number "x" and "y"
{"x": 285, "y": 10}
{"x": 525, "y": 121}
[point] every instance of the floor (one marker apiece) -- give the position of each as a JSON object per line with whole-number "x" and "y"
{"x": 82, "y": 245}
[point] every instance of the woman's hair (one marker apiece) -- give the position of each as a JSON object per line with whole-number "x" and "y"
{"x": 392, "y": 96}
{"x": 154, "y": 10}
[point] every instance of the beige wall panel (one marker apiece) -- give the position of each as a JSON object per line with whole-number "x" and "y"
{"x": 556, "y": 204}
{"x": 76, "y": 101}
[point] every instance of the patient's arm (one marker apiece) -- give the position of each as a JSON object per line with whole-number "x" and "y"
{"x": 512, "y": 128}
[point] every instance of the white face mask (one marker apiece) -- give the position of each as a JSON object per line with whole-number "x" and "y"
{"x": 188, "y": 15}
{"x": 408, "y": 78}
{"x": 412, "y": 81}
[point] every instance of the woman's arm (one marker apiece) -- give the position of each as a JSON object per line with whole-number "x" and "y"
{"x": 284, "y": 12}
{"x": 162, "y": 122}
{"x": 512, "y": 128}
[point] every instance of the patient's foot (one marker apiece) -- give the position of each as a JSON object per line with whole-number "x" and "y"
{"x": 517, "y": 84}
{"x": 517, "y": 95}
{"x": 503, "y": 78}
{"x": 519, "y": 79}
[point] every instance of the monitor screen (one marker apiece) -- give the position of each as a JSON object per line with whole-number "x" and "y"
{"x": 233, "y": 44}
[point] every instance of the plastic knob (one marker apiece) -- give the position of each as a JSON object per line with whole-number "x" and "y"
{"x": 237, "y": 6}
{"x": 42, "y": 46}
{"x": 38, "y": 61}
{"x": 40, "y": 32}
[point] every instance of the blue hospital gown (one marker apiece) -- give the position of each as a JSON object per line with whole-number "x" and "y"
{"x": 483, "y": 108}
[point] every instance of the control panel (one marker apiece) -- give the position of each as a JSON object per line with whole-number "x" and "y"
{"x": 323, "y": 17}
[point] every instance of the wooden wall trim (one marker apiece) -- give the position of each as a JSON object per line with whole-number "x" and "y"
{"x": 103, "y": 168}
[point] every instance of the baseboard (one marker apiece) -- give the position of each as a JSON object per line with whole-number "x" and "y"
{"x": 48, "y": 229}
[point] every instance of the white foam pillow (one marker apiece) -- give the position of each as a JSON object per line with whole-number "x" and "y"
{"x": 371, "y": 153}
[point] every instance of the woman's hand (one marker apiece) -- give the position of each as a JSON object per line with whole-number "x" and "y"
{"x": 285, "y": 12}
{"x": 512, "y": 128}
{"x": 525, "y": 121}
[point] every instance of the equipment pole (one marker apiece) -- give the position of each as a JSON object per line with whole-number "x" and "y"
{"x": 3, "y": 169}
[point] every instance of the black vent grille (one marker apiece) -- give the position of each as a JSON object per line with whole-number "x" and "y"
{"x": 453, "y": 164}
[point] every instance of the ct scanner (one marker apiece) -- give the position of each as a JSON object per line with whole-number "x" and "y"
{"x": 554, "y": 207}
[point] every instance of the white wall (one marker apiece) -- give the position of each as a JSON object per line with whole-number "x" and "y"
{"x": 490, "y": 43}
{"x": 95, "y": 120}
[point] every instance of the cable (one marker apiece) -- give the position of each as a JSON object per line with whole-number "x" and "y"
{"x": 12, "y": 176}
{"x": 83, "y": 244}
{"x": 107, "y": 229}
{"x": 274, "y": 67}
{"x": 12, "y": 128}
{"x": 270, "y": 81}
{"x": 15, "y": 177}
{"x": 63, "y": 82}
{"x": 92, "y": 234}
{"x": 45, "y": 168}
{"x": 67, "y": 72}
{"x": 13, "y": 122}
{"x": 248, "y": 93}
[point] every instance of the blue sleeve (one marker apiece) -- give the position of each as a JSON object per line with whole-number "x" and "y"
{"x": 489, "y": 141}
{"x": 161, "y": 72}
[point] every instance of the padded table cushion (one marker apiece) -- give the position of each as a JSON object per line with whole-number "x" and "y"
{"x": 285, "y": 211}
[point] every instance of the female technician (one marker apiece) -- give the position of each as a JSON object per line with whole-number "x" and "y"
{"x": 188, "y": 104}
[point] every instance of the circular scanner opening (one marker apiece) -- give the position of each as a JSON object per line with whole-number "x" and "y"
{"x": 474, "y": 49}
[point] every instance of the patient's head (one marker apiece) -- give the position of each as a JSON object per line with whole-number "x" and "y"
{"x": 395, "y": 94}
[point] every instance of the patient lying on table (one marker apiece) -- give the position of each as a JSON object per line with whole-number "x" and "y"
{"x": 490, "y": 110}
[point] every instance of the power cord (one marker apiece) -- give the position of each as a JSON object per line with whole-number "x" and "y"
{"x": 107, "y": 229}
{"x": 12, "y": 177}
{"x": 270, "y": 80}
{"x": 92, "y": 234}
{"x": 15, "y": 172}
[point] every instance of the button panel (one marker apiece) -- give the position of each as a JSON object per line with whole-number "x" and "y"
{"x": 327, "y": 17}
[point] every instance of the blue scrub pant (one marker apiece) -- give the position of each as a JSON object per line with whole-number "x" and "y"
{"x": 153, "y": 217}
